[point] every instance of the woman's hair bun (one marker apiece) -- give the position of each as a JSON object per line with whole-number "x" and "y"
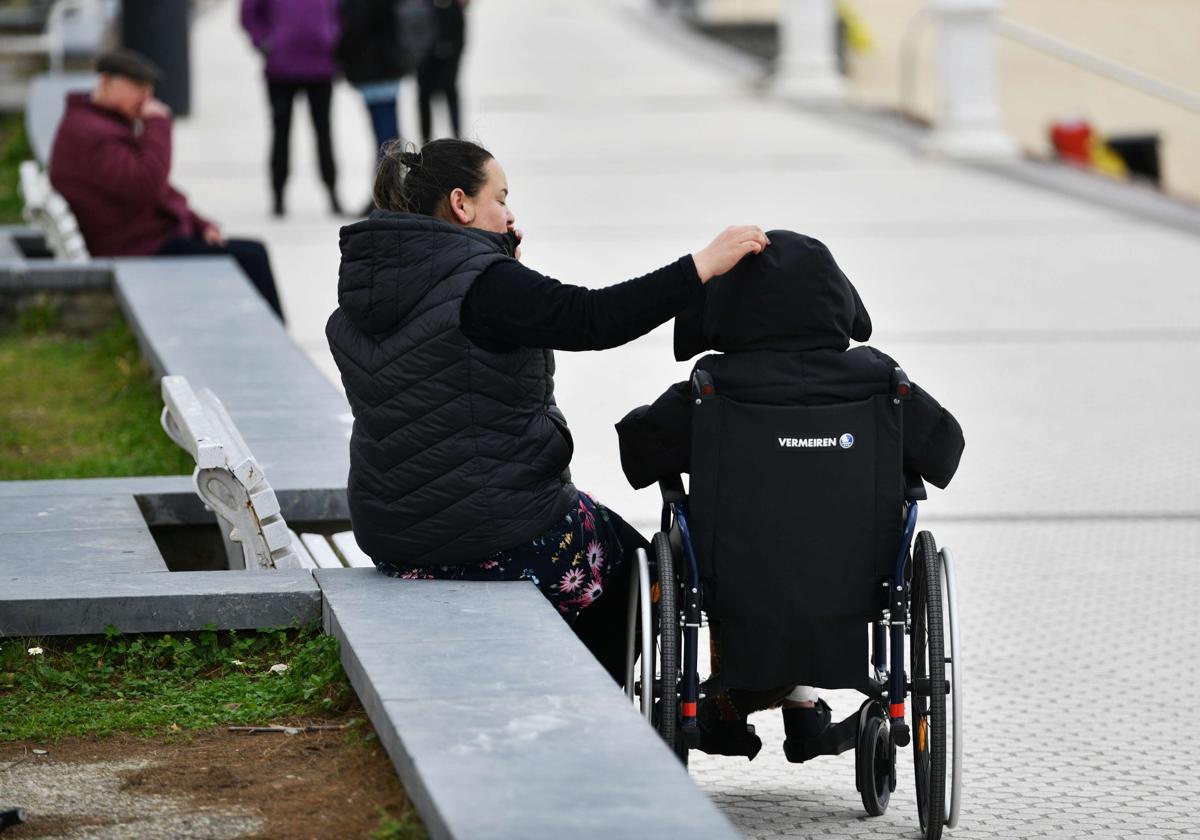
{"x": 411, "y": 180}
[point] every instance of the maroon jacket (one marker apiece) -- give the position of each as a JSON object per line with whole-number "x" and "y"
{"x": 115, "y": 179}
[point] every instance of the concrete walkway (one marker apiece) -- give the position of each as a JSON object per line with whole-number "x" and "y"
{"x": 1063, "y": 335}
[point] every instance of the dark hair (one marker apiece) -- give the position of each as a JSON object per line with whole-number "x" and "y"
{"x": 411, "y": 181}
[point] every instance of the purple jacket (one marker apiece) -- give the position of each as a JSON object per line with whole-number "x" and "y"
{"x": 298, "y": 37}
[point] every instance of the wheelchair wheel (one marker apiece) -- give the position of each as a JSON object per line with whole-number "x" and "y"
{"x": 667, "y": 618}
{"x": 928, "y": 674}
{"x": 875, "y": 760}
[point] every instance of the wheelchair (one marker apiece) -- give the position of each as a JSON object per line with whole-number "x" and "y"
{"x": 806, "y": 509}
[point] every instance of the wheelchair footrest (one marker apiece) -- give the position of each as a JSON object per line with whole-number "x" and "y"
{"x": 835, "y": 740}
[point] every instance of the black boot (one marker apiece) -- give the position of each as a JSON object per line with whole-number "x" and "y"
{"x": 720, "y": 736}
{"x": 802, "y": 726}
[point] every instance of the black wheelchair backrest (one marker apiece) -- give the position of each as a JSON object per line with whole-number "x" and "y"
{"x": 796, "y": 516}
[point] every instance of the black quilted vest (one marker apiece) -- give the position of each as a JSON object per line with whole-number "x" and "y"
{"x": 456, "y": 452}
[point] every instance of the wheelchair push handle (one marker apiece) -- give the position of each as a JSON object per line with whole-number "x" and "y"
{"x": 901, "y": 387}
{"x": 672, "y": 489}
{"x": 703, "y": 385}
{"x": 914, "y": 488}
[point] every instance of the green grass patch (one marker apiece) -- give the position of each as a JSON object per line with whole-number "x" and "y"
{"x": 14, "y": 148}
{"x": 79, "y": 406}
{"x": 407, "y": 827}
{"x": 151, "y": 685}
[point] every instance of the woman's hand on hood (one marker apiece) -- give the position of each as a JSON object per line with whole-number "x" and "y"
{"x": 724, "y": 252}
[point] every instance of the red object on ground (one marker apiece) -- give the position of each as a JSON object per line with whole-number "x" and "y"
{"x": 1072, "y": 140}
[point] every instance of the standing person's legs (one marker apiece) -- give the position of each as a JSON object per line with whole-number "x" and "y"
{"x": 382, "y": 99}
{"x": 451, "y": 91}
{"x": 251, "y": 257}
{"x": 281, "y": 95}
{"x": 425, "y": 84}
{"x": 384, "y": 123}
{"x": 319, "y": 95}
{"x": 439, "y": 75}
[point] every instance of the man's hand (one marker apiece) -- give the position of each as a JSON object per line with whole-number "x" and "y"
{"x": 724, "y": 252}
{"x": 520, "y": 237}
{"x": 155, "y": 108}
{"x": 212, "y": 235}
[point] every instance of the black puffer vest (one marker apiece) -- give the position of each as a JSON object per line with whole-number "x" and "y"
{"x": 456, "y": 452}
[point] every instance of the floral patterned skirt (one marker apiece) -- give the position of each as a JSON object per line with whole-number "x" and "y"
{"x": 571, "y": 563}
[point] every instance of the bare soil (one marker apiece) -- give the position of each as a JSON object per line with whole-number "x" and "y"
{"x": 209, "y": 783}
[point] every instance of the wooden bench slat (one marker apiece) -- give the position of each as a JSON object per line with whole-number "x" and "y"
{"x": 354, "y": 556}
{"x": 322, "y": 551}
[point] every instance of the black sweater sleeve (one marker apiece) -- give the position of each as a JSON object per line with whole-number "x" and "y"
{"x": 656, "y": 439}
{"x": 511, "y": 306}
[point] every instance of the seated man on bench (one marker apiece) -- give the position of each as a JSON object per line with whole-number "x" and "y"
{"x": 111, "y": 160}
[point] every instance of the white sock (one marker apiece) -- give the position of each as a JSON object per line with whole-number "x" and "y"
{"x": 803, "y": 694}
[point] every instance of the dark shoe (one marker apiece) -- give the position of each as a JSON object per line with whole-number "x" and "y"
{"x": 803, "y": 726}
{"x": 729, "y": 737}
{"x": 335, "y": 206}
{"x": 277, "y": 208}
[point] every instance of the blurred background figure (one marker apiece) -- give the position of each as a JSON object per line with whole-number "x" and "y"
{"x": 383, "y": 41}
{"x": 438, "y": 74}
{"x": 298, "y": 39}
{"x": 111, "y": 161}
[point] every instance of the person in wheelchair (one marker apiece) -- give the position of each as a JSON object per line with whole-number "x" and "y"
{"x": 782, "y": 322}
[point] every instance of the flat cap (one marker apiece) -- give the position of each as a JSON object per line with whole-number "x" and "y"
{"x": 130, "y": 64}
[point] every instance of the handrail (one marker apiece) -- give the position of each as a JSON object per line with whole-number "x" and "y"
{"x": 1072, "y": 54}
{"x": 1049, "y": 45}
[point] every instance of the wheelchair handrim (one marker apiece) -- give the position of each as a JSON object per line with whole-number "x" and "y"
{"x": 954, "y": 772}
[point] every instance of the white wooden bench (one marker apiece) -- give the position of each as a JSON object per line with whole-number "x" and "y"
{"x": 49, "y": 212}
{"x": 235, "y": 487}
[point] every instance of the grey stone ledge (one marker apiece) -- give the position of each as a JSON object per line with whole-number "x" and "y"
{"x": 498, "y": 721}
{"x": 158, "y": 602}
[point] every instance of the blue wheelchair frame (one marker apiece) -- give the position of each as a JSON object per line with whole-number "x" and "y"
{"x": 674, "y": 512}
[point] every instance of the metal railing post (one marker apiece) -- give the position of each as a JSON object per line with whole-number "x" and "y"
{"x": 806, "y": 69}
{"x": 968, "y": 122}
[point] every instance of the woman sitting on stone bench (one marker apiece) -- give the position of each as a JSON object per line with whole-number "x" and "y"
{"x": 459, "y": 456}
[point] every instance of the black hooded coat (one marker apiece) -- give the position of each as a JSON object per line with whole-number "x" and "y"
{"x": 791, "y": 603}
{"x": 783, "y": 321}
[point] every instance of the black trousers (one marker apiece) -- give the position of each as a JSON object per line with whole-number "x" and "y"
{"x": 282, "y": 94}
{"x": 250, "y": 254}
{"x": 438, "y": 75}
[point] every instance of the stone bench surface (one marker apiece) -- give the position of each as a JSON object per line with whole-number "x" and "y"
{"x": 66, "y": 534}
{"x": 168, "y": 602}
{"x": 200, "y": 318}
{"x": 498, "y": 721}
